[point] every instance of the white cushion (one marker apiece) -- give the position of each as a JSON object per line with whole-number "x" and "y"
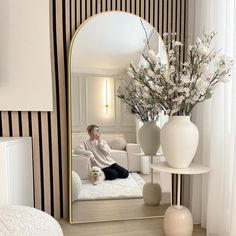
{"x": 118, "y": 154}
{"x": 27, "y": 221}
{"x": 81, "y": 165}
{"x": 78, "y": 138}
{"x": 76, "y": 186}
{"x": 120, "y": 157}
{"x": 118, "y": 144}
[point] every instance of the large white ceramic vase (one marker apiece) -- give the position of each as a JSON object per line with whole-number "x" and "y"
{"x": 149, "y": 137}
{"x": 179, "y": 141}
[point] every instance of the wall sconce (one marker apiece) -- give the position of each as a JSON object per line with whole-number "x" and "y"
{"x": 106, "y": 97}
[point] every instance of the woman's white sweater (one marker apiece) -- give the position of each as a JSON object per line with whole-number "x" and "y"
{"x": 98, "y": 151}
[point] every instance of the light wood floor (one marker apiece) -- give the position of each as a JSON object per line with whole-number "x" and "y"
{"x": 101, "y": 210}
{"x": 147, "y": 227}
{"x": 114, "y": 209}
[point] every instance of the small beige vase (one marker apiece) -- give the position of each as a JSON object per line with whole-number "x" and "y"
{"x": 149, "y": 138}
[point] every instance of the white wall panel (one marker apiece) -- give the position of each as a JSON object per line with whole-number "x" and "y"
{"x": 25, "y": 62}
{"x": 96, "y": 95}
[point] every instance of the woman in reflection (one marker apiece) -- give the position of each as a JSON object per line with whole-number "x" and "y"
{"x": 98, "y": 151}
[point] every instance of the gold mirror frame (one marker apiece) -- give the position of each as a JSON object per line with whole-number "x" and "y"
{"x": 70, "y": 128}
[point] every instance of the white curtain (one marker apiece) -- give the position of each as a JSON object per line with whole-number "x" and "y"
{"x": 213, "y": 196}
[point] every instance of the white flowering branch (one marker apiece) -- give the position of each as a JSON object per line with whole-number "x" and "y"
{"x": 177, "y": 91}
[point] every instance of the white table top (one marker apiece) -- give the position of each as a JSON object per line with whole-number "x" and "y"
{"x": 193, "y": 169}
{"x": 142, "y": 154}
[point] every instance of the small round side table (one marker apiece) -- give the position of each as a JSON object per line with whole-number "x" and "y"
{"x": 178, "y": 219}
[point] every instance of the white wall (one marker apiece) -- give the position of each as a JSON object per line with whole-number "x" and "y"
{"x": 101, "y": 46}
{"x": 88, "y": 106}
{"x": 25, "y": 63}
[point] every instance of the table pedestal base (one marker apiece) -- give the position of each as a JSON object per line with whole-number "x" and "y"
{"x": 178, "y": 221}
{"x": 152, "y": 193}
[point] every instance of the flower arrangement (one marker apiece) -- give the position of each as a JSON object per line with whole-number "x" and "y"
{"x": 176, "y": 87}
{"x": 138, "y": 99}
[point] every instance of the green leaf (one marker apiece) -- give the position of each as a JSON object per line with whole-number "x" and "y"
{"x": 208, "y": 95}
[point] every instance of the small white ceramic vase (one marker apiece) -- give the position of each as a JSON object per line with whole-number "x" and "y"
{"x": 179, "y": 141}
{"x": 149, "y": 138}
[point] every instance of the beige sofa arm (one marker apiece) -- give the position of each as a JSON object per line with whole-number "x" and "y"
{"x": 134, "y": 161}
{"x": 81, "y": 165}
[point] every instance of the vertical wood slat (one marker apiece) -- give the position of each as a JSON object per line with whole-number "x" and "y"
{"x": 46, "y": 166}
{"x": 178, "y": 20}
{"x": 36, "y": 161}
{"x": 15, "y": 124}
{"x": 108, "y": 5}
{"x": 62, "y": 106}
{"x": 5, "y": 124}
{"x": 133, "y": 6}
{"x": 88, "y": 9}
{"x": 182, "y": 30}
{"x": 128, "y": 5}
{"x": 118, "y": 5}
{"x": 103, "y": 5}
{"x": 165, "y": 14}
{"x": 186, "y": 179}
{"x": 147, "y": 11}
{"x": 169, "y": 30}
{"x": 160, "y": 13}
{"x": 123, "y": 5}
{"x": 25, "y": 124}
{"x": 137, "y": 8}
{"x": 155, "y": 16}
{"x": 151, "y": 15}
{"x": 82, "y": 6}
{"x": 99, "y": 6}
{"x": 93, "y": 7}
{"x": 142, "y": 9}
{"x": 72, "y": 16}
{"x": 54, "y": 127}
{"x": 173, "y": 20}
{"x": 76, "y": 8}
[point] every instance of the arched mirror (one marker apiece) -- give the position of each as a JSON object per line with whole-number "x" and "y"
{"x": 102, "y": 131}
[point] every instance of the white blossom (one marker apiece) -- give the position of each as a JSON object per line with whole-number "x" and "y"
{"x": 150, "y": 73}
{"x": 214, "y": 87}
{"x": 177, "y": 44}
{"x": 152, "y": 55}
{"x": 202, "y": 50}
{"x": 190, "y": 47}
{"x": 224, "y": 78}
{"x": 185, "y": 78}
{"x": 199, "y": 41}
{"x": 172, "y": 69}
{"x": 201, "y": 84}
{"x": 203, "y": 68}
{"x": 151, "y": 85}
{"x": 177, "y": 90}
{"x": 158, "y": 88}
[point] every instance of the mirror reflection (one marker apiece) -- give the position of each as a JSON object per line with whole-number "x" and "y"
{"x": 107, "y": 164}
